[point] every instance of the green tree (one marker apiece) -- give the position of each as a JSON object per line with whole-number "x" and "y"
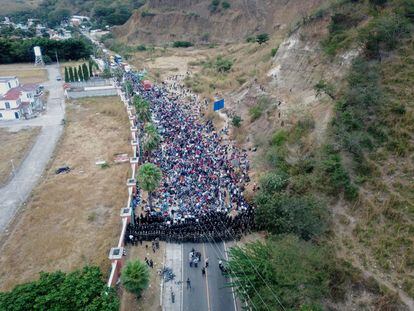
{"x": 128, "y": 89}
{"x": 79, "y": 290}
{"x": 90, "y": 63}
{"x": 151, "y": 138}
{"x": 142, "y": 109}
{"x": 85, "y": 72}
{"x": 67, "y": 79}
{"x": 149, "y": 177}
{"x": 262, "y": 38}
{"x": 283, "y": 271}
{"x": 71, "y": 75}
{"x": 80, "y": 73}
{"x": 280, "y": 213}
{"x": 75, "y": 74}
{"x": 135, "y": 277}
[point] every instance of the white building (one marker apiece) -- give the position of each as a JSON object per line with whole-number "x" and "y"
{"x": 18, "y": 101}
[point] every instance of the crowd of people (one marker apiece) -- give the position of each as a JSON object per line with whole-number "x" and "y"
{"x": 200, "y": 198}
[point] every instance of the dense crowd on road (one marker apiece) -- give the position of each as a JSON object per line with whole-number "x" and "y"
{"x": 200, "y": 197}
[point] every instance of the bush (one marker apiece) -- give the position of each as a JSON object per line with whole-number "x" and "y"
{"x": 214, "y": 5}
{"x": 262, "y": 38}
{"x": 141, "y": 47}
{"x": 279, "y": 138}
{"x": 255, "y": 112}
{"x": 384, "y": 33}
{"x": 79, "y": 290}
{"x": 182, "y": 44}
{"x": 271, "y": 183}
{"x": 334, "y": 178}
{"x": 225, "y": 5}
{"x": 250, "y": 39}
{"x": 273, "y": 52}
{"x": 223, "y": 64}
{"x": 236, "y": 121}
{"x": 305, "y": 217}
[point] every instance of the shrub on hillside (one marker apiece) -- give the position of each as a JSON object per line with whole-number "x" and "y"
{"x": 303, "y": 216}
{"x": 225, "y": 4}
{"x": 182, "y": 44}
{"x": 223, "y": 65}
{"x": 236, "y": 121}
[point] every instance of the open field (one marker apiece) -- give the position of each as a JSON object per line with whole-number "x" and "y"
{"x": 150, "y": 300}
{"x": 14, "y": 146}
{"x": 73, "y": 219}
{"x": 27, "y": 73}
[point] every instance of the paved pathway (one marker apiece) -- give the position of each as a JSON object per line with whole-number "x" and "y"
{"x": 28, "y": 174}
{"x": 207, "y": 293}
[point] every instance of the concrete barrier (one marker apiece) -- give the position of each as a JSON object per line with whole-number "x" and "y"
{"x": 126, "y": 213}
{"x": 91, "y": 93}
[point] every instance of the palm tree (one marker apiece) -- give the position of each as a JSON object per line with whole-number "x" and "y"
{"x": 149, "y": 177}
{"x": 142, "y": 109}
{"x": 151, "y": 139}
{"x": 135, "y": 277}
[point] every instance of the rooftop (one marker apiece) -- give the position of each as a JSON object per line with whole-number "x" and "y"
{"x": 7, "y": 78}
{"x": 12, "y": 94}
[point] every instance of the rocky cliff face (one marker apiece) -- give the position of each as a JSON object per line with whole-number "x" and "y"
{"x": 163, "y": 21}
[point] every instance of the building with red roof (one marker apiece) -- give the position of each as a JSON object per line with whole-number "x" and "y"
{"x": 18, "y": 101}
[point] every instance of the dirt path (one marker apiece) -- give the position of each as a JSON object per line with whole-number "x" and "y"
{"x": 15, "y": 193}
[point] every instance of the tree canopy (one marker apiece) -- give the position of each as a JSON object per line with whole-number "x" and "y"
{"x": 283, "y": 271}
{"x": 135, "y": 277}
{"x": 15, "y": 51}
{"x": 79, "y": 290}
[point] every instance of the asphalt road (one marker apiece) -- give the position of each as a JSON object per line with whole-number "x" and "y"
{"x": 207, "y": 293}
{"x": 15, "y": 193}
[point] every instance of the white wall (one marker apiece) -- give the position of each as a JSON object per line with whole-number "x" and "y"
{"x": 5, "y": 86}
{"x": 14, "y": 104}
{"x": 9, "y": 114}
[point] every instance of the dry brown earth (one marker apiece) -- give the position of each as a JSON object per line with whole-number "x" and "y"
{"x": 73, "y": 219}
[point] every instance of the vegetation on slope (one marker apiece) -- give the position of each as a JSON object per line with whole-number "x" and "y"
{"x": 367, "y": 159}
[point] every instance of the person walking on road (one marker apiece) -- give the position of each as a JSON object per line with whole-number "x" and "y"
{"x": 206, "y": 262}
{"x": 188, "y": 283}
{"x": 203, "y": 271}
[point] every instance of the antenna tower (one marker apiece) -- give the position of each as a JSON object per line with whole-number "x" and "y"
{"x": 38, "y": 56}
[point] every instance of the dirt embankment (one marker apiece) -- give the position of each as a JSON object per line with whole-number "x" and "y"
{"x": 164, "y": 21}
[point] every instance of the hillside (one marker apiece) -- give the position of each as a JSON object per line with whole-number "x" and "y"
{"x": 11, "y": 6}
{"x": 327, "y": 102}
{"x": 163, "y": 21}
{"x": 103, "y": 12}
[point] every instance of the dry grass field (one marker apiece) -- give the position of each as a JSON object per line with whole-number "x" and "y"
{"x": 26, "y": 73}
{"x": 73, "y": 219}
{"x": 14, "y": 146}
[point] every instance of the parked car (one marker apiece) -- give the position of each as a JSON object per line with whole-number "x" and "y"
{"x": 58, "y": 78}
